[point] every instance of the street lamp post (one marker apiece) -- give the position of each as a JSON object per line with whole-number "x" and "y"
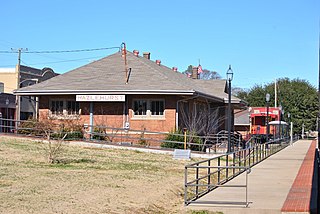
{"x": 229, "y": 78}
{"x": 267, "y": 120}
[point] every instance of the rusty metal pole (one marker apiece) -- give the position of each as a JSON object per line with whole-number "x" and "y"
{"x": 124, "y": 54}
{"x": 185, "y": 138}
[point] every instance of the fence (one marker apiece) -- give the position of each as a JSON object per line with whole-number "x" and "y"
{"x": 204, "y": 176}
{"x": 105, "y": 134}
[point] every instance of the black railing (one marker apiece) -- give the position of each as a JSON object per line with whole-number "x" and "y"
{"x": 104, "y": 134}
{"x": 204, "y": 176}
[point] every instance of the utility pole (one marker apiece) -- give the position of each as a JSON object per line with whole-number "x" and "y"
{"x": 18, "y": 86}
{"x": 275, "y": 93}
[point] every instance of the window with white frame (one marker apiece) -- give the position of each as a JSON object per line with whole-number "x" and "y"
{"x": 148, "y": 108}
{"x": 140, "y": 107}
{"x": 64, "y": 107}
{"x": 73, "y": 107}
{"x": 157, "y": 107}
{"x": 56, "y": 107}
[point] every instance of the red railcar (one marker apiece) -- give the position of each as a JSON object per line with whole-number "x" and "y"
{"x": 258, "y": 120}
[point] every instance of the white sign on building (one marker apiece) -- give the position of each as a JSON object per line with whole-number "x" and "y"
{"x": 101, "y": 98}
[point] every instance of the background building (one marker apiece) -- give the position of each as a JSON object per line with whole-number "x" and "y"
{"x": 9, "y": 82}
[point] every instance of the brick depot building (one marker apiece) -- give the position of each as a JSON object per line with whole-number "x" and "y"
{"x": 129, "y": 90}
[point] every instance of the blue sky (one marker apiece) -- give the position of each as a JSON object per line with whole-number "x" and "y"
{"x": 261, "y": 39}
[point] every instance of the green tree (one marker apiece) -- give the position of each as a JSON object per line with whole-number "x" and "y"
{"x": 297, "y": 97}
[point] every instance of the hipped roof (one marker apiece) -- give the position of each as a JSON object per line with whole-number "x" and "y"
{"x": 107, "y": 76}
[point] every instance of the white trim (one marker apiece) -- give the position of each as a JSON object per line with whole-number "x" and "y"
{"x": 276, "y": 122}
{"x": 113, "y": 92}
{"x": 64, "y": 114}
{"x": 148, "y": 115}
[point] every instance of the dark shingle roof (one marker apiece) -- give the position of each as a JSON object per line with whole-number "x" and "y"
{"x": 107, "y": 75}
{"x": 242, "y": 117}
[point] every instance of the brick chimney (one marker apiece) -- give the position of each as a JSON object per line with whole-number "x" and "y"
{"x": 146, "y": 55}
{"x": 136, "y": 52}
{"x": 194, "y": 74}
{"x": 158, "y": 62}
{"x": 175, "y": 69}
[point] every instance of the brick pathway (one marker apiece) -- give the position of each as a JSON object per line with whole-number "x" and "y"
{"x": 299, "y": 196}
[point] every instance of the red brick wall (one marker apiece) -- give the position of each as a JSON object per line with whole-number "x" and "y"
{"x": 112, "y": 113}
{"x": 163, "y": 123}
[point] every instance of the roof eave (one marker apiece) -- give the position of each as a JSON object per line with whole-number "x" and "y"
{"x": 88, "y": 92}
{"x": 207, "y": 96}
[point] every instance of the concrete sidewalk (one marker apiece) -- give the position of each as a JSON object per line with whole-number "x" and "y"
{"x": 268, "y": 184}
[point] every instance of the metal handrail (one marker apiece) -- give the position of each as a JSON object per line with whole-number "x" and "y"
{"x": 113, "y": 135}
{"x": 206, "y": 175}
{"x": 247, "y": 169}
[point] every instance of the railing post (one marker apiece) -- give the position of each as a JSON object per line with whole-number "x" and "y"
{"x": 265, "y": 151}
{"x": 253, "y": 155}
{"x": 185, "y": 138}
{"x": 247, "y": 172}
{"x": 239, "y": 159}
{"x": 209, "y": 177}
{"x": 233, "y": 163}
{"x": 249, "y": 157}
{"x": 261, "y": 150}
{"x": 244, "y": 157}
{"x": 197, "y": 181}
{"x": 257, "y": 154}
{"x": 227, "y": 169}
{"x": 185, "y": 185}
{"x": 219, "y": 170}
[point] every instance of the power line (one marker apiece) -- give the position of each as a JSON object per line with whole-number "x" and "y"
{"x": 54, "y": 62}
{"x": 65, "y": 51}
{"x": 70, "y": 60}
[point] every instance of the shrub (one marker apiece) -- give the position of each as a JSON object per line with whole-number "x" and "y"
{"x": 173, "y": 136}
{"x": 70, "y": 135}
{"x": 99, "y": 133}
{"x": 28, "y": 127}
{"x": 34, "y": 127}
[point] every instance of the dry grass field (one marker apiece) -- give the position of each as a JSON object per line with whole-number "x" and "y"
{"x": 87, "y": 180}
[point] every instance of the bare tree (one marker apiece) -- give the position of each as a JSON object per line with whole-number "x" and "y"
{"x": 54, "y": 148}
{"x": 203, "y": 119}
{"x": 104, "y": 129}
{"x": 48, "y": 128}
